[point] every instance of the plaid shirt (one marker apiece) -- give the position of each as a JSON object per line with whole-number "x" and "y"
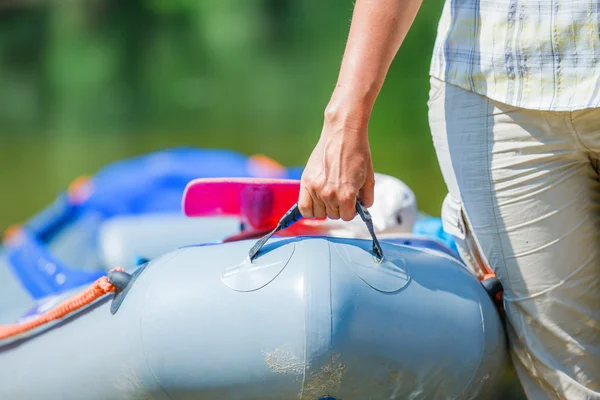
{"x": 536, "y": 54}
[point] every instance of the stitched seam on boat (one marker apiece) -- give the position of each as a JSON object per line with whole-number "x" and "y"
{"x": 330, "y": 355}
{"x": 306, "y": 366}
{"x": 168, "y": 260}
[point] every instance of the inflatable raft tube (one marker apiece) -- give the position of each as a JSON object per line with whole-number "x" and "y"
{"x": 309, "y": 318}
{"x": 31, "y": 270}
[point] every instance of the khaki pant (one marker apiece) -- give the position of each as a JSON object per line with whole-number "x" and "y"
{"x": 524, "y": 188}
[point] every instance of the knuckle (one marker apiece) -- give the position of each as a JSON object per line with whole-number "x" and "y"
{"x": 347, "y": 212}
{"x": 328, "y": 193}
{"x": 320, "y": 185}
{"x": 308, "y": 179}
{"x": 305, "y": 209}
{"x": 307, "y": 185}
{"x": 320, "y": 214}
{"x": 347, "y": 198}
{"x": 333, "y": 214}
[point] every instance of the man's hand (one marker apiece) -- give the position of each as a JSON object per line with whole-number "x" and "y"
{"x": 338, "y": 172}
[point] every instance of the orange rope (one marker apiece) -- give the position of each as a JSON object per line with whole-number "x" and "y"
{"x": 97, "y": 290}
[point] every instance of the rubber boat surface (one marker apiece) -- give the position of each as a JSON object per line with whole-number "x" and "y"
{"x": 296, "y": 317}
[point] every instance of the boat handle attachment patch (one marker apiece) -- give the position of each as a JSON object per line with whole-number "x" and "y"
{"x": 293, "y": 215}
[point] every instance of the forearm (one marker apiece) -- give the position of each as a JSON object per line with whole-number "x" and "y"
{"x": 376, "y": 33}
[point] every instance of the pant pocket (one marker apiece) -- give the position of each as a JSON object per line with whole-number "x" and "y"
{"x": 452, "y": 218}
{"x": 455, "y": 224}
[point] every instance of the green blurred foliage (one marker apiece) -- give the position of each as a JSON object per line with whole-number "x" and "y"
{"x": 87, "y": 82}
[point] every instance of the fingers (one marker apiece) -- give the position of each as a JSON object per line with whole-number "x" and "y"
{"x": 334, "y": 202}
{"x": 313, "y": 206}
{"x": 338, "y": 172}
{"x": 320, "y": 200}
{"x": 305, "y": 204}
{"x": 347, "y": 206}
{"x": 310, "y": 205}
{"x": 319, "y": 209}
{"x": 333, "y": 211}
{"x": 367, "y": 194}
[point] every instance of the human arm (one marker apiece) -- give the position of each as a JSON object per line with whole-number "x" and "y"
{"x": 340, "y": 168}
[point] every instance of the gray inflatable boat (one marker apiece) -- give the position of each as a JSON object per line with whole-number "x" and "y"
{"x": 41, "y": 269}
{"x": 307, "y": 318}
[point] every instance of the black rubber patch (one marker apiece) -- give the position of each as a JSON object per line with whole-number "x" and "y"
{"x": 120, "y": 296}
{"x": 493, "y": 287}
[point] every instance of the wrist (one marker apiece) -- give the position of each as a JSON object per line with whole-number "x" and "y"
{"x": 348, "y": 111}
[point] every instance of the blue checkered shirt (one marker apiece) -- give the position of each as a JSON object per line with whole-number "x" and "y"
{"x": 536, "y": 54}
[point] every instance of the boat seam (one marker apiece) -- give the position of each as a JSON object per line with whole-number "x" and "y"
{"x": 167, "y": 261}
{"x": 306, "y": 276}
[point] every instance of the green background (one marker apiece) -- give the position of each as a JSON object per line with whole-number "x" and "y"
{"x": 85, "y": 83}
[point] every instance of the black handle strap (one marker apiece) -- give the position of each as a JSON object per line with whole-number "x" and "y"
{"x": 290, "y": 217}
{"x": 366, "y": 217}
{"x": 294, "y": 215}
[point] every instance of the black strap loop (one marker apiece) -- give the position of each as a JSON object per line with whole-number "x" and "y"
{"x": 294, "y": 215}
{"x": 366, "y": 217}
{"x": 290, "y": 217}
